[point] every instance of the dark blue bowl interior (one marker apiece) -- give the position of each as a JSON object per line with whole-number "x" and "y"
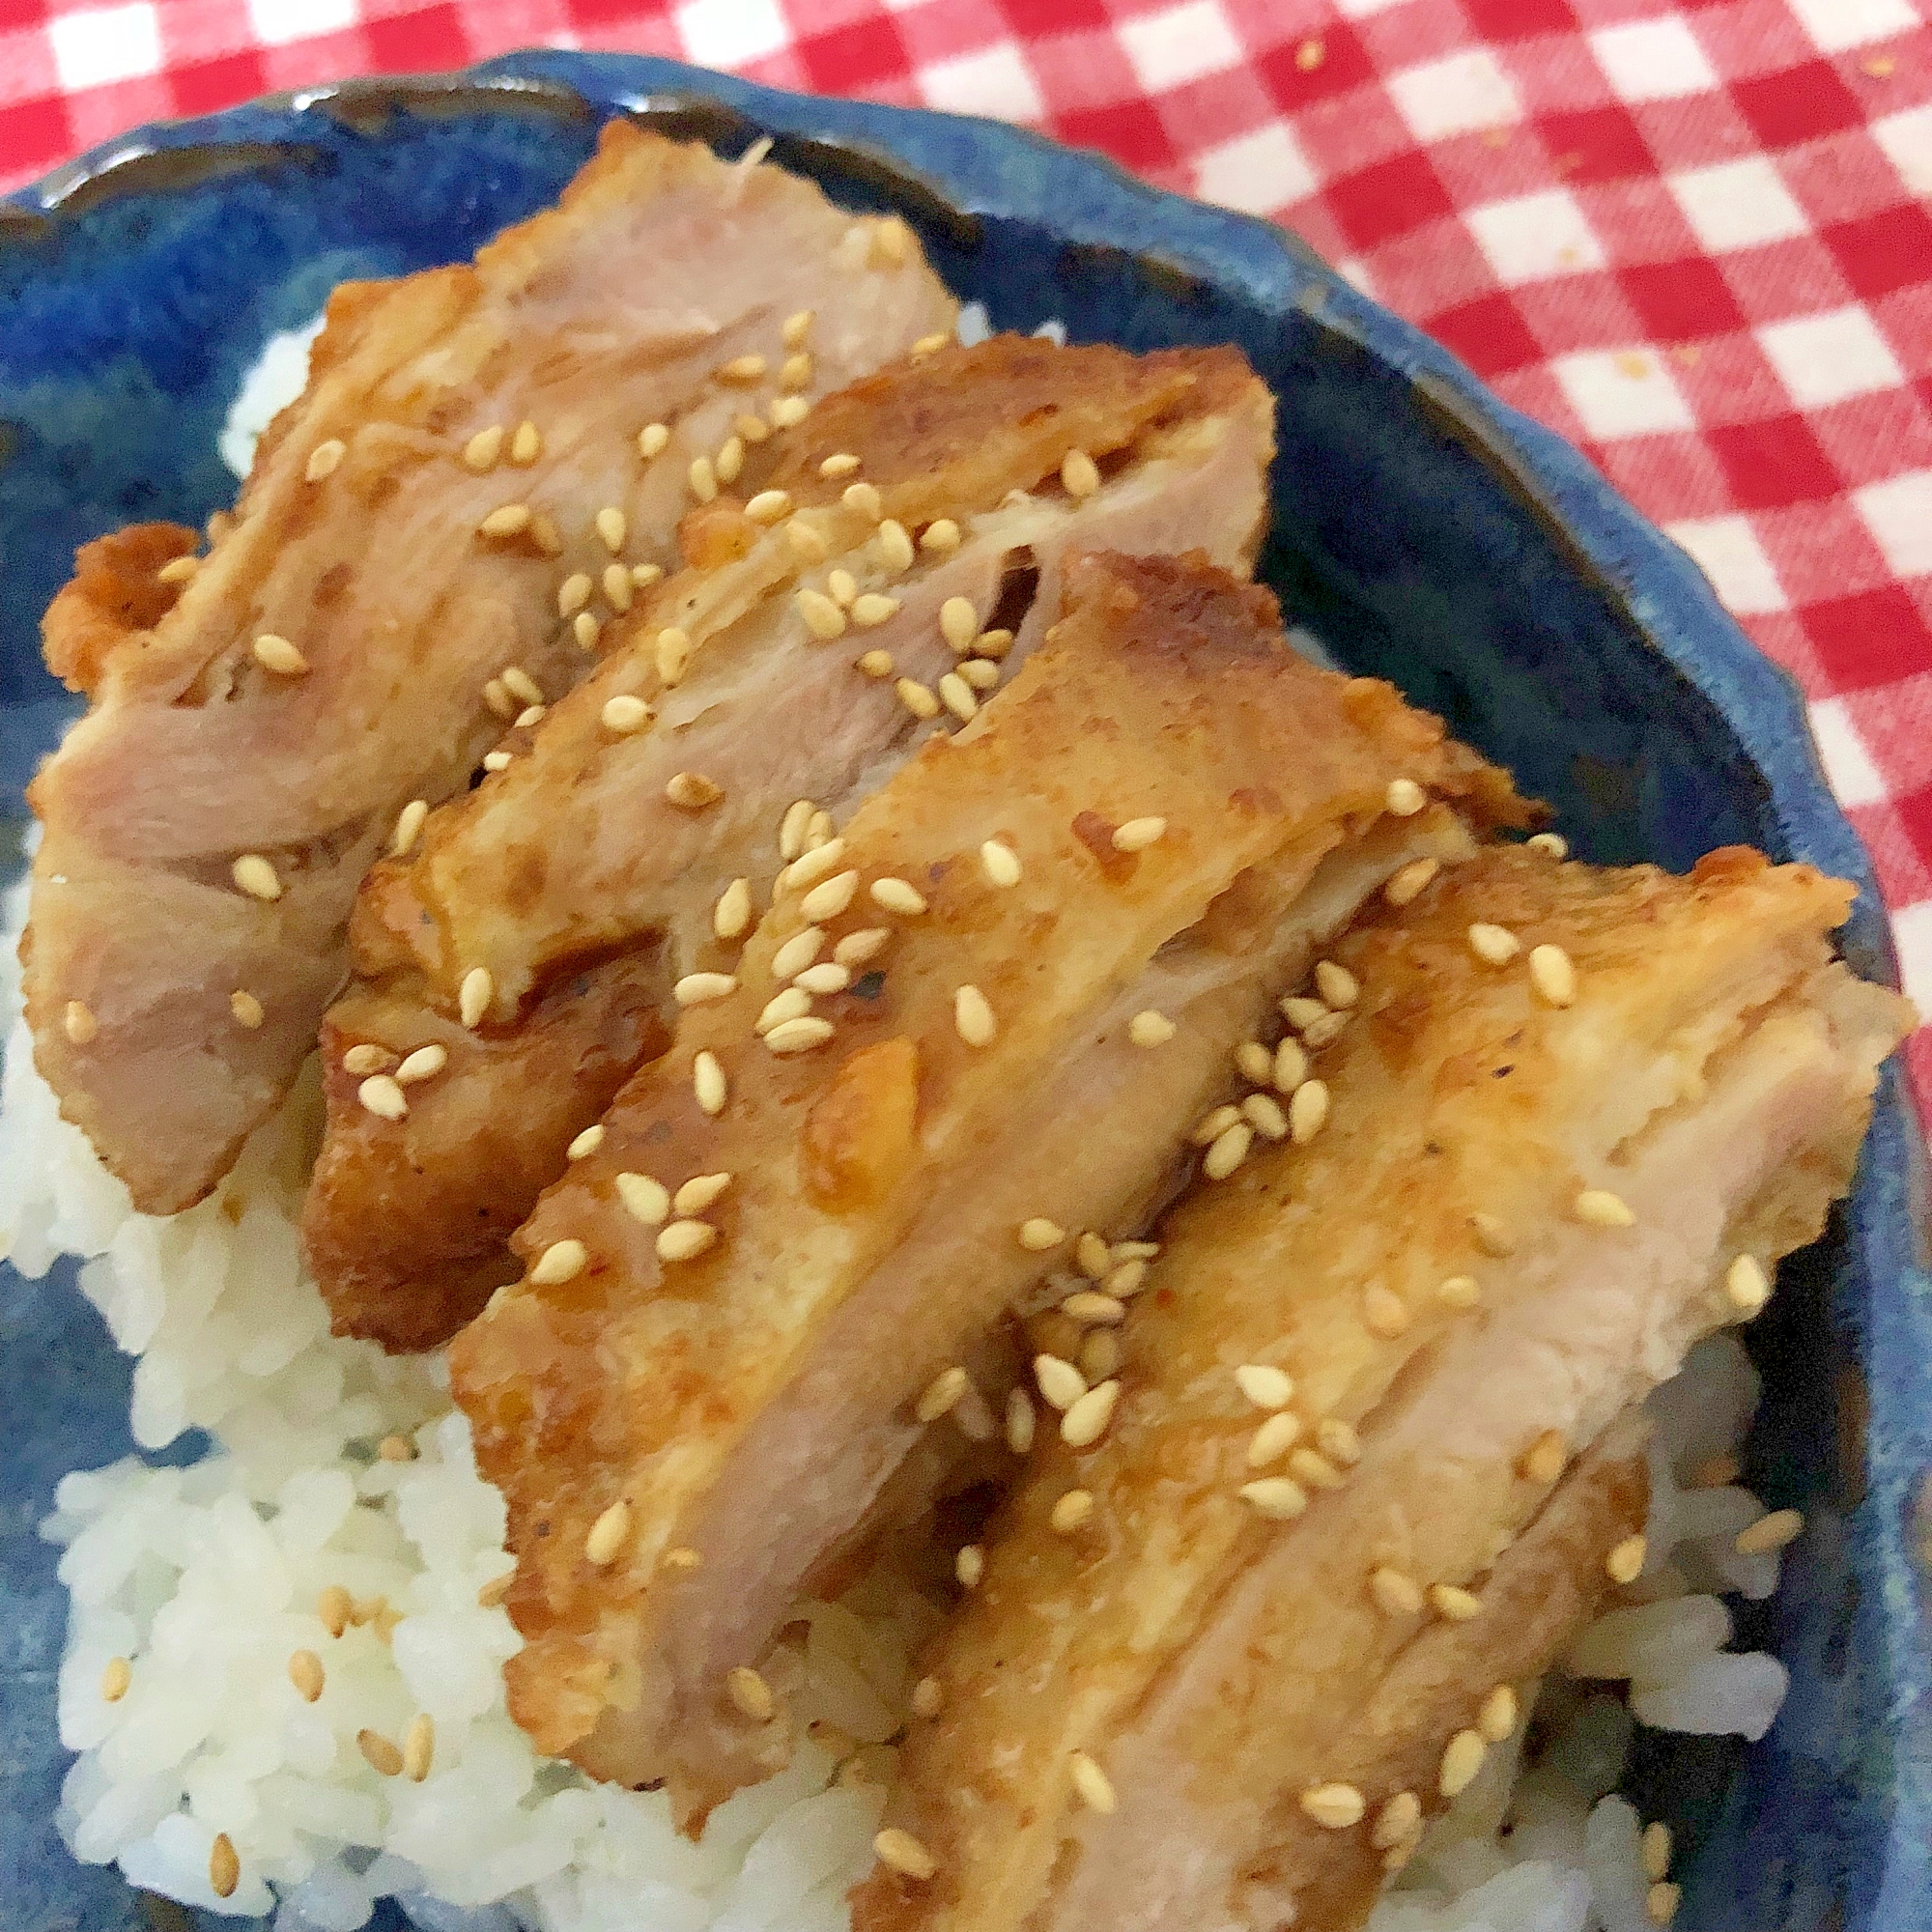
{"x": 1424, "y": 532}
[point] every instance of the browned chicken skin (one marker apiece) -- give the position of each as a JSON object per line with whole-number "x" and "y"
{"x": 704, "y": 1381}
{"x": 575, "y": 857}
{"x": 1360, "y": 1368}
{"x": 383, "y": 601}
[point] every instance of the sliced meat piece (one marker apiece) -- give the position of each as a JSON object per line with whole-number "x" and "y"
{"x": 577, "y": 851}
{"x": 1165, "y": 811}
{"x": 384, "y": 599}
{"x": 1533, "y": 1186}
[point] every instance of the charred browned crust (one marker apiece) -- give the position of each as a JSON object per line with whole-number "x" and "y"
{"x": 115, "y": 593}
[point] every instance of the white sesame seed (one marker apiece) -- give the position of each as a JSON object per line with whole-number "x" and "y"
{"x": 1150, "y": 1029}
{"x": 898, "y": 896}
{"x": 797, "y": 326}
{"x": 956, "y": 695}
{"x": 891, "y": 243}
{"x": 1543, "y": 1459}
{"x": 862, "y": 498}
{"x": 1747, "y": 1284}
{"x": 928, "y": 1697}
{"x": 875, "y": 664}
{"x": 363, "y": 1058}
{"x": 1770, "y": 1532}
{"x": 1289, "y": 1068}
{"x": 843, "y": 462}
{"x": 969, "y": 1566}
{"x": 1127, "y": 1279}
{"x": 1229, "y": 1150}
{"x": 941, "y": 537}
{"x": 1335, "y": 1807}
{"x": 769, "y": 506}
{"x": 1093, "y": 1310}
{"x": 306, "y": 1674}
{"x": 1336, "y": 984}
{"x": 699, "y": 989}
{"x": 1078, "y": 475}
{"x": 1404, "y": 798}
{"x": 792, "y": 828}
{"x": 1408, "y": 881}
{"x": 1385, "y": 1312}
{"x": 1095, "y": 1788}
{"x": 789, "y": 411}
{"x": 1019, "y": 1422}
{"x": 587, "y": 629}
{"x": 1396, "y": 1820}
{"x": 607, "y": 1537}
{"x": 1038, "y": 1235}
{"x": 1496, "y": 1719}
{"x": 507, "y": 521}
{"x": 586, "y": 1143}
{"x": 823, "y": 617}
{"x": 732, "y": 913}
{"x": 743, "y": 369}
{"x": 729, "y": 460}
{"x": 1660, "y": 1903}
{"x": 858, "y": 949}
{"x": 1000, "y": 863}
{"x": 685, "y": 1240}
{"x": 1492, "y": 1234}
{"x": 829, "y": 897}
{"x": 792, "y": 1003}
{"x": 246, "y": 1008}
{"x": 1279, "y": 1498}
{"x": 1213, "y": 1124}
{"x": 828, "y": 977}
{"x": 1551, "y": 844}
{"x": 979, "y": 674}
{"x": 1262, "y": 1113}
{"x": 1060, "y": 1382}
{"x": 1138, "y": 833}
{"x": 1086, "y": 1421}
{"x": 1598, "y": 1207}
{"x": 383, "y": 1098}
{"x": 646, "y": 1199}
{"x": 617, "y": 587}
{"x": 942, "y": 1393}
{"x": 973, "y": 1019}
{"x": 560, "y": 1261}
{"x": 573, "y": 593}
{"x": 872, "y": 610}
{"x": 279, "y": 655}
{"x": 1395, "y": 1593}
{"x": 1339, "y": 1441}
{"x": 1626, "y": 1560}
{"x": 624, "y": 714}
{"x": 798, "y": 952}
{"x": 1302, "y": 1013}
{"x": 115, "y": 1678}
{"x": 1266, "y": 1386}
{"x": 530, "y": 717}
{"x": 474, "y": 996}
{"x": 1553, "y": 974}
{"x": 900, "y": 1852}
{"x": 958, "y": 623}
{"x": 993, "y": 644}
{"x": 799, "y": 1035}
{"x": 1254, "y": 1062}
{"x": 1454, "y": 1605}
{"x": 496, "y": 762}
{"x": 1307, "y": 1110}
{"x": 78, "y": 1023}
{"x": 692, "y": 791}
{"x": 751, "y": 1693}
{"x": 424, "y": 1064}
{"x": 1462, "y": 1760}
{"x": 1313, "y": 1469}
{"x": 1273, "y": 1440}
{"x": 254, "y": 875}
{"x": 843, "y": 588}
{"x": 481, "y": 452}
{"x": 918, "y": 698}
{"x": 520, "y": 685}
{"x": 795, "y": 373}
{"x": 652, "y": 440}
{"x": 1655, "y": 1849}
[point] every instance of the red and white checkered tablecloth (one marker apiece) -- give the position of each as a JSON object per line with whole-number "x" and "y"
{"x": 1696, "y": 239}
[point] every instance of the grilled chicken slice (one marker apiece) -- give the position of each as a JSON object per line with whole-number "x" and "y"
{"x": 576, "y": 853}
{"x": 363, "y": 629}
{"x": 1362, "y": 1365}
{"x": 737, "y": 1307}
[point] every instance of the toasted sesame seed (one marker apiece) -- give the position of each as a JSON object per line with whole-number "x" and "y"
{"x": 586, "y": 1143}
{"x": 1625, "y": 1562}
{"x": 1407, "y": 882}
{"x": 646, "y": 1198}
{"x": 969, "y": 1566}
{"x": 424, "y": 1064}
{"x": 685, "y": 1240}
{"x": 994, "y": 645}
{"x": 573, "y": 593}
{"x": 1060, "y": 1382}
{"x": 1289, "y": 1068}
{"x": 381, "y": 1756}
{"x": 900, "y": 1852}
{"x": 652, "y": 440}
{"x": 750, "y": 1694}
{"x": 1078, "y": 475}
{"x": 1266, "y": 1386}
{"x": 1494, "y": 945}
{"x": 560, "y": 1261}
{"x": 1544, "y": 1460}
{"x": 1747, "y": 1286}
{"x": 1492, "y": 1234}
{"x": 1307, "y": 1110}
{"x": 419, "y": 1747}
{"x": 508, "y": 520}
{"x": 942, "y": 1393}
{"x": 1395, "y": 1593}
{"x": 743, "y": 369}
{"x": 918, "y": 698}
{"x": 1404, "y": 798}
{"x": 546, "y": 535}
{"x": 1655, "y": 1849}
{"x": 1275, "y": 1438}
{"x": 305, "y": 1673}
{"x": 891, "y": 243}
{"x": 1497, "y": 1717}
{"x": 498, "y": 697}
{"x": 958, "y": 623}
{"x": 973, "y": 1019}
{"x": 1086, "y": 1421}
{"x": 1598, "y": 1207}
{"x": 1099, "y": 1355}
{"x": 396, "y": 1449}
{"x": 789, "y": 411}
{"x": 1071, "y": 1510}
{"x": 1396, "y": 1820}
{"x": 1019, "y": 1422}
{"x": 1660, "y": 1902}
{"x": 587, "y": 629}
{"x": 875, "y": 664}
{"x": 1094, "y": 1787}
{"x": 729, "y": 460}
{"x": 1454, "y": 1605}
{"x": 692, "y": 791}
{"x": 1770, "y": 1532}
{"x": 1277, "y": 1497}
{"x": 1150, "y": 1029}
{"x": 224, "y": 1866}
{"x": 872, "y": 610}
{"x": 1553, "y": 974}
{"x": 699, "y": 989}
{"x": 246, "y": 1008}
{"x": 1715, "y": 1472}
{"x": 481, "y": 452}
{"x": 1336, "y": 984}
{"x": 798, "y": 1036}
{"x": 864, "y": 499}
{"x": 520, "y": 685}
{"x": 829, "y": 897}
{"x": 496, "y": 762}
{"x": 859, "y": 948}
{"x": 78, "y": 1023}
{"x": 332, "y": 1607}
{"x": 1229, "y": 1150}
{"x": 798, "y": 952}
{"x": 115, "y": 1678}
{"x": 254, "y": 875}
{"x": 1335, "y": 1807}
{"x": 898, "y": 896}
{"x": 941, "y": 537}
{"x": 956, "y": 695}
{"x": 1551, "y": 844}
{"x": 1385, "y": 1312}
{"x": 1138, "y": 833}
{"x": 477, "y": 991}
{"x": 797, "y": 326}
{"x": 177, "y": 569}
{"x": 1262, "y": 1113}
{"x": 840, "y": 463}
{"x": 364, "y": 1057}
{"x": 1038, "y": 1235}
{"x": 929, "y": 1695}
{"x": 707, "y": 1078}
{"x": 382, "y": 1097}
{"x": 1462, "y": 1760}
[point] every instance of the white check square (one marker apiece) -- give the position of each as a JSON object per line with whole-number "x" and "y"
{"x": 1898, "y": 513}
{"x": 1907, "y": 141}
{"x": 1912, "y": 934}
{"x": 1836, "y": 24}
{"x": 1737, "y": 204}
{"x": 995, "y": 81}
{"x": 1462, "y": 95}
{"x": 101, "y": 44}
{"x": 276, "y": 23}
{"x": 1826, "y": 358}
{"x": 1621, "y": 393}
{"x": 1849, "y": 770}
{"x": 726, "y": 32}
{"x": 1255, "y": 172}
{"x": 1535, "y": 236}
{"x": 1727, "y": 550}
{"x": 1652, "y": 60}
{"x": 1167, "y": 49}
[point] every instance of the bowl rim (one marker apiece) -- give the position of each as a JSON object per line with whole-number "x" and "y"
{"x": 991, "y": 168}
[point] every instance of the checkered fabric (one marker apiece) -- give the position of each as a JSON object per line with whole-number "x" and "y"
{"x": 1694, "y": 239}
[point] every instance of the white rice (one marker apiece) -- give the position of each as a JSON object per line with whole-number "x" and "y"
{"x": 207, "y": 1580}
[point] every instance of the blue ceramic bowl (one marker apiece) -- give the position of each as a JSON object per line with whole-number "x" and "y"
{"x": 1424, "y": 531}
